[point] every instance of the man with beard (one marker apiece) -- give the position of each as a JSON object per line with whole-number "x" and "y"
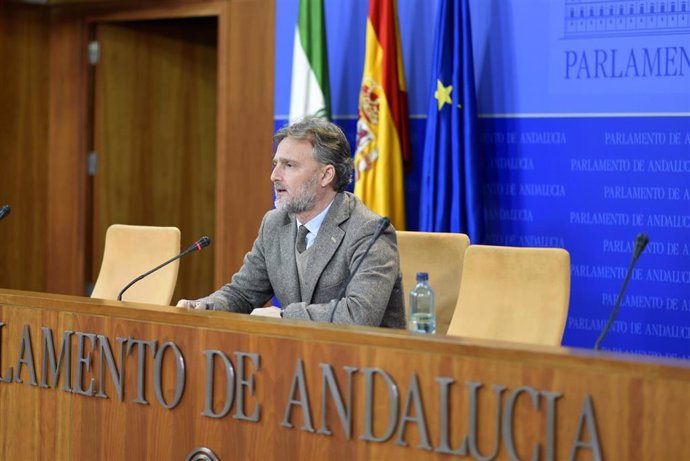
{"x": 308, "y": 246}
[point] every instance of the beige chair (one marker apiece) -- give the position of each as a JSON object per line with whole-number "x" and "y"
{"x": 131, "y": 251}
{"x": 439, "y": 254}
{"x": 513, "y": 294}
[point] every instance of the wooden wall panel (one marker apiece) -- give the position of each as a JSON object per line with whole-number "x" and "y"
{"x": 67, "y": 137}
{"x": 23, "y": 146}
{"x": 245, "y": 130}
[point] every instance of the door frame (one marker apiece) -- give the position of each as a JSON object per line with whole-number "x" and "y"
{"x": 244, "y": 127}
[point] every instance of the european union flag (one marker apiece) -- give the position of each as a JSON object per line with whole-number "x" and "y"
{"x": 451, "y": 197}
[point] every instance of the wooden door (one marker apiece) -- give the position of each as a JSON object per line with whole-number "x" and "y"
{"x": 154, "y": 132}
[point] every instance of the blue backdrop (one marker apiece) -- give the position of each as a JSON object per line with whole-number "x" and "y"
{"x": 584, "y": 140}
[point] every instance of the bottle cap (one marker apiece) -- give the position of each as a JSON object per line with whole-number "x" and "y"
{"x": 422, "y": 276}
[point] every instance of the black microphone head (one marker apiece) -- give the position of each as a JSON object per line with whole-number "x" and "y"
{"x": 198, "y": 245}
{"x": 384, "y": 223}
{"x": 4, "y": 211}
{"x": 640, "y": 243}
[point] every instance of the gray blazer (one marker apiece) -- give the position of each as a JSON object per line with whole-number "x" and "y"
{"x": 373, "y": 297}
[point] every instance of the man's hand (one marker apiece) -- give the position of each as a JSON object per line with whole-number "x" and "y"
{"x": 267, "y": 312}
{"x": 192, "y": 304}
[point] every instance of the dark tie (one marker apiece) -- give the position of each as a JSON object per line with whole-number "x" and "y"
{"x": 301, "y": 242}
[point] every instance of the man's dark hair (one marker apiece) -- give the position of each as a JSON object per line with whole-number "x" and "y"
{"x": 330, "y": 146}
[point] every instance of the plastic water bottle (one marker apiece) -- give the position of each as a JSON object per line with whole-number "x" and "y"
{"x": 422, "y": 306}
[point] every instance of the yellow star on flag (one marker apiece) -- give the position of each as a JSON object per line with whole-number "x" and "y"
{"x": 442, "y": 94}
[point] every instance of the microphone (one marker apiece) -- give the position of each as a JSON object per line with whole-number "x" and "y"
{"x": 4, "y": 211}
{"x": 640, "y": 244}
{"x": 196, "y": 246}
{"x": 383, "y": 225}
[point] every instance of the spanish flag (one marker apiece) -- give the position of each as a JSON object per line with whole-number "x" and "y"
{"x": 382, "y": 134}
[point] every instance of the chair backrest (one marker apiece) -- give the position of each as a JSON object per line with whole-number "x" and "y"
{"x": 441, "y": 255}
{"x": 513, "y": 294}
{"x": 131, "y": 251}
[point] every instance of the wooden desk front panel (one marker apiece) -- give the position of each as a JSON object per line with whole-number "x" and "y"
{"x": 640, "y": 408}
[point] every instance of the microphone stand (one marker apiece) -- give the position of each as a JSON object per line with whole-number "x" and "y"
{"x": 197, "y": 246}
{"x": 640, "y": 243}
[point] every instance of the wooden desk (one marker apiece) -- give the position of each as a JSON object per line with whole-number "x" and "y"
{"x": 285, "y": 388}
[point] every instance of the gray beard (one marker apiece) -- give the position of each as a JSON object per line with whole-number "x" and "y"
{"x": 303, "y": 201}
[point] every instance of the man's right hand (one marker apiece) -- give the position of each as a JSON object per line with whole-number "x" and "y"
{"x": 192, "y": 304}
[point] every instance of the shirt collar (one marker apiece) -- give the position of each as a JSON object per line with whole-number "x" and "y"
{"x": 314, "y": 224}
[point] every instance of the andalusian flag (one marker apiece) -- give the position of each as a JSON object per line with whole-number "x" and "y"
{"x": 382, "y": 136}
{"x": 310, "y": 92}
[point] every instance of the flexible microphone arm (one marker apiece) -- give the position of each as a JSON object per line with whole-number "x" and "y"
{"x": 4, "y": 211}
{"x": 383, "y": 225}
{"x": 196, "y": 246}
{"x": 640, "y": 243}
